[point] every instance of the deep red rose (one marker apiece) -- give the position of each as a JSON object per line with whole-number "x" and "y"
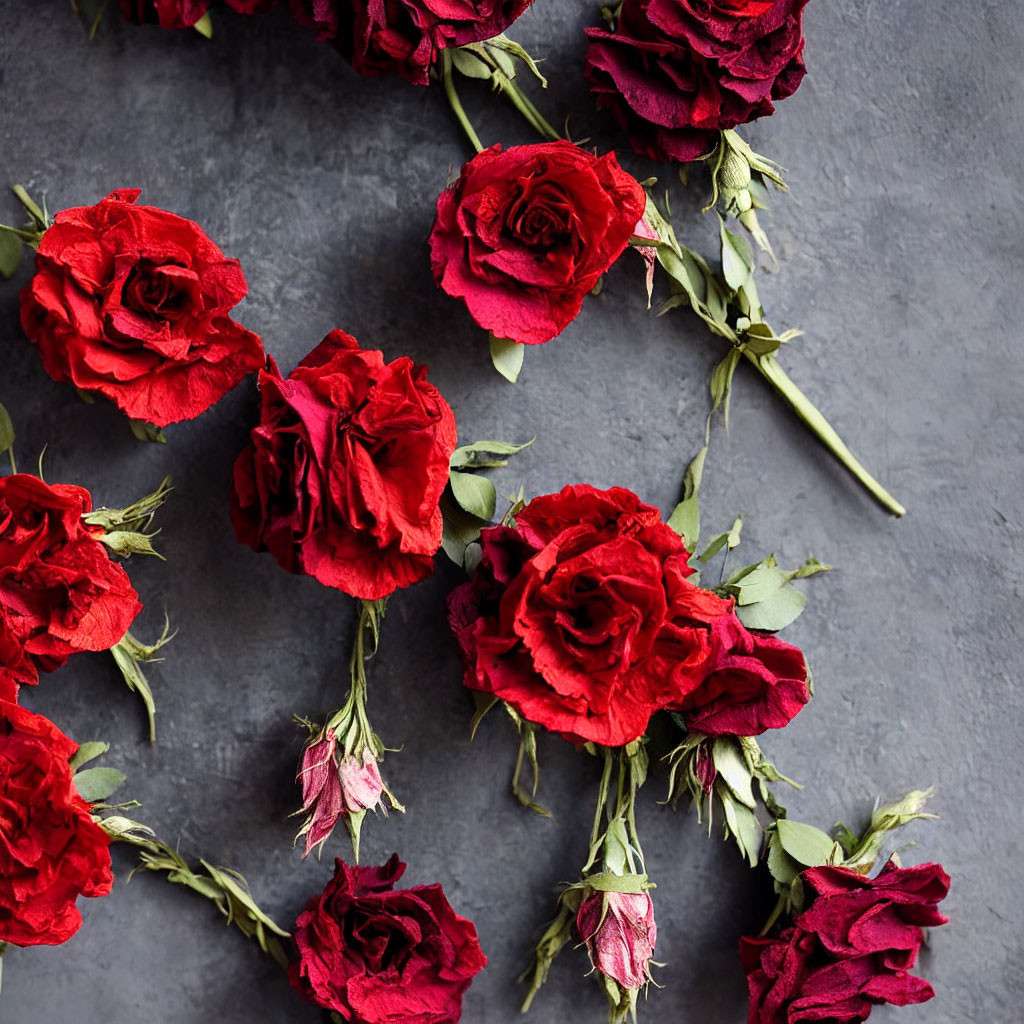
{"x": 251, "y": 6}
{"x": 758, "y": 682}
{"x": 166, "y": 13}
{"x": 51, "y": 851}
{"x": 582, "y": 618}
{"x": 406, "y": 35}
{"x": 131, "y": 302}
{"x": 379, "y": 955}
{"x": 58, "y": 586}
{"x": 851, "y": 950}
{"x": 525, "y": 233}
{"x": 675, "y": 72}
{"x": 342, "y": 478}
{"x": 327, "y": 16}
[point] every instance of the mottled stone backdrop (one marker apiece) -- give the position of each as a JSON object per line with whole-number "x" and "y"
{"x": 900, "y": 256}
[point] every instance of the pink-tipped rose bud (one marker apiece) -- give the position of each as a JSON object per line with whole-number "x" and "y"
{"x": 619, "y": 931}
{"x": 361, "y": 784}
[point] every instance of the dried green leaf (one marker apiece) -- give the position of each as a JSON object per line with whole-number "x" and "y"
{"x": 481, "y": 454}
{"x": 806, "y": 844}
{"x": 6, "y": 430}
{"x": 685, "y": 518}
{"x": 87, "y": 752}
{"x": 774, "y": 612}
{"x": 507, "y": 357}
{"x": 737, "y": 259}
{"x": 475, "y": 494}
{"x": 95, "y": 785}
{"x": 733, "y": 769}
{"x": 469, "y": 64}
{"x": 10, "y": 253}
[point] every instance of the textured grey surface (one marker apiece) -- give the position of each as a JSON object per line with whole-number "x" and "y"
{"x": 901, "y": 259}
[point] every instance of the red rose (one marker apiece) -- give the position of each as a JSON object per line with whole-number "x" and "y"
{"x": 323, "y": 15}
{"x": 16, "y": 666}
{"x": 524, "y": 235}
{"x": 377, "y": 955}
{"x": 51, "y": 851}
{"x": 343, "y": 476}
{"x": 851, "y": 950}
{"x": 132, "y": 302}
{"x": 675, "y": 72}
{"x": 59, "y": 589}
{"x": 406, "y": 35}
{"x": 758, "y": 682}
{"x": 251, "y": 6}
{"x": 166, "y": 13}
{"x": 581, "y": 617}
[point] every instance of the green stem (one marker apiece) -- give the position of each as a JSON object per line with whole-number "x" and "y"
{"x": 33, "y": 208}
{"x": 523, "y": 104}
{"x": 769, "y": 368}
{"x": 4, "y": 946}
{"x": 455, "y": 103}
{"x": 14, "y": 469}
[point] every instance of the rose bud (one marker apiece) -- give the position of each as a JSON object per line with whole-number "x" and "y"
{"x": 322, "y": 798}
{"x": 620, "y": 932}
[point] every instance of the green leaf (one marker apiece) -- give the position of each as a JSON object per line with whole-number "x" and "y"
{"x": 806, "y": 844}
{"x": 469, "y": 64}
{"x": 737, "y": 259}
{"x": 459, "y": 531}
{"x": 204, "y": 26}
{"x": 685, "y": 518}
{"x": 480, "y": 454}
{"x": 721, "y": 380}
{"x": 782, "y": 867}
{"x": 96, "y": 784}
{"x": 759, "y": 584}
{"x": 810, "y": 568}
{"x": 773, "y": 613}
{"x": 475, "y": 494}
{"x": 87, "y": 752}
{"x": 6, "y": 430}
{"x": 744, "y": 827}
{"x": 730, "y": 539}
{"x": 10, "y": 253}
{"x": 507, "y": 357}
{"x": 732, "y": 767}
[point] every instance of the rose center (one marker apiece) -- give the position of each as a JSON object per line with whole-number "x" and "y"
{"x": 152, "y": 292}
{"x": 541, "y": 217}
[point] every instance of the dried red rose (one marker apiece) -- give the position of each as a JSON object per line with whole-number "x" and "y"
{"x": 675, "y": 72}
{"x": 581, "y": 617}
{"x": 132, "y": 302}
{"x": 377, "y": 955}
{"x": 524, "y": 234}
{"x": 343, "y": 476}
{"x": 16, "y": 666}
{"x": 59, "y": 589}
{"x": 51, "y": 851}
{"x": 851, "y": 950}
{"x": 620, "y": 933}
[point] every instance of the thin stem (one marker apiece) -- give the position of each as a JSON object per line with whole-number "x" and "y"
{"x": 455, "y": 103}
{"x": 523, "y": 104}
{"x": 772, "y": 371}
{"x": 26, "y": 236}
{"x": 602, "y": 800}
{"x": 14, "y": 469}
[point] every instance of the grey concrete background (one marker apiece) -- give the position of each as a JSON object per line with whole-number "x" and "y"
{"x": 901, "y": 259}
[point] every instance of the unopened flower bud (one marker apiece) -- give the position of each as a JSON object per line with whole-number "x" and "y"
{"x": 734, "y": 174}
{"x": 322, "y": 797}
{"x": 619, "y": 931}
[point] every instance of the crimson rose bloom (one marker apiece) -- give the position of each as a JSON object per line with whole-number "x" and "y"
{"x": 166, "y": 13}
{"x": 581, "y": 617}
{"x": 851, "y": 950}
{"x": 342, "y": 478}
{"x": 377, "y": 955}
{"x": 524, "y": 235}
{"x": 59, "y": 590}
{"x": 675, "y": 72}
{"x": 51, "y": 851}
{"x": 131, "y": 301}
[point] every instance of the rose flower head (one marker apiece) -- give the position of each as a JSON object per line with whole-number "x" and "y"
{"x": 60, "y": 592}
{"x": 619, "y": 931}
{"x": 379, "y": 955}
{"x": 676, "y": 72}
{"x": 51, "y": 851}
{"x": 851, "y": 950}
{"x": 582, "y": 618}
{"x": 343, "y": 476}
{"x": 132, "y": 302}
{"x": 525, "y": 233}
{"x": 165, "y": 13}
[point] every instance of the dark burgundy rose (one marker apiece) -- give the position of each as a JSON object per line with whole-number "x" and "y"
{"x": 251, "y": 6}
{"x": 60, "y": 592}
{"x": 851, "y": 950}
{"x": 51, "y": 851}
{"x": 343, "y": 475}
{"x": 676, "y": 72}
{"x": 379, "y": 955}
{"x": 326, "y": 16}
{"x": 758, "y": 682}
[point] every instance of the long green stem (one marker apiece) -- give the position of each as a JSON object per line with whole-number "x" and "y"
{"x": 769, "y": 368}
{"x": 524, "y": 105}
{"x": 455, "y": 103}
